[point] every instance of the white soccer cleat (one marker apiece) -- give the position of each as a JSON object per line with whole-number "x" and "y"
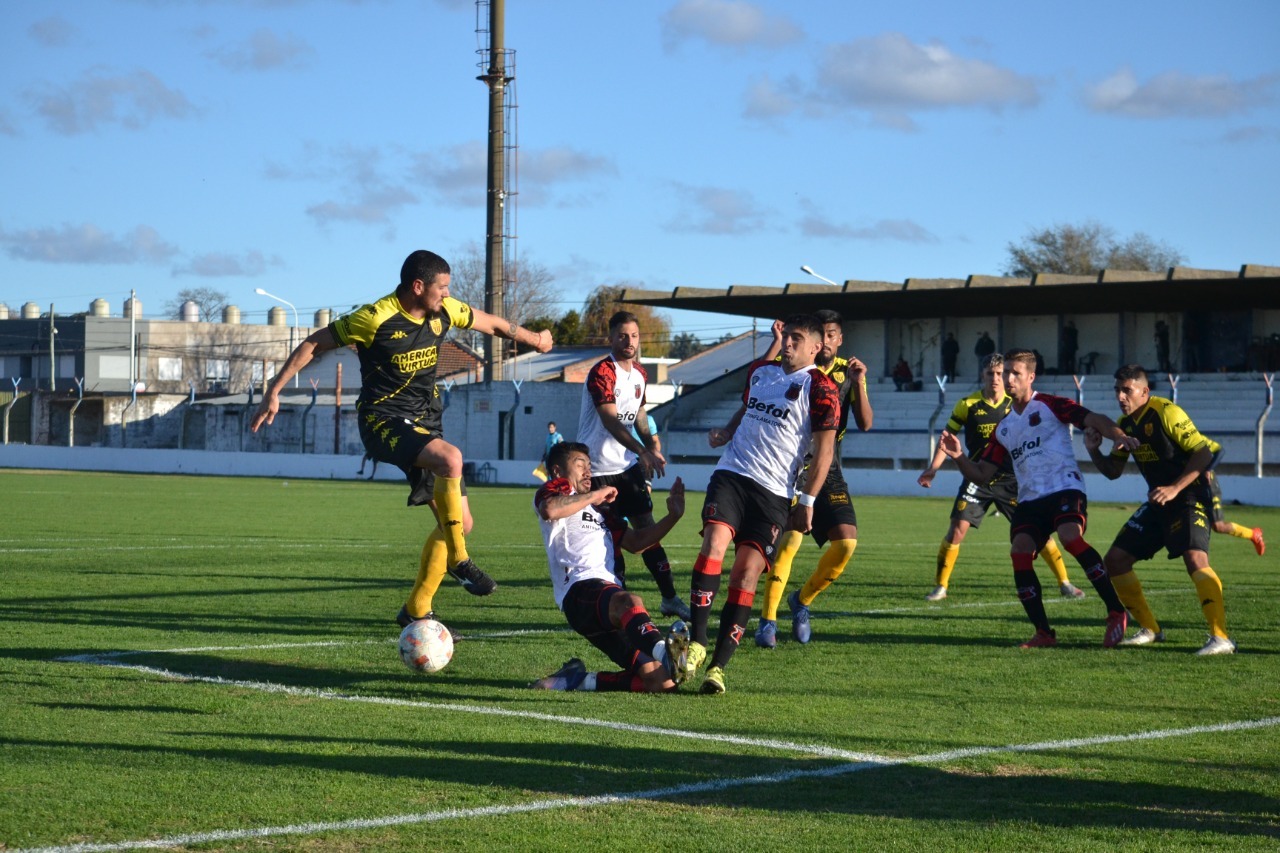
{"x": 1070, "y": 590}
{"x": 939, "y": 593}
{"x": 1143, "y": 637}
{"x": 1217, "y": 646}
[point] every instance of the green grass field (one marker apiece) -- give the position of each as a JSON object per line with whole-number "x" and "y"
{"x": 261, "y": 703}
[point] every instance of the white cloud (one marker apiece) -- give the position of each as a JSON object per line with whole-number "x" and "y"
{"x": 87, "y": 244}
{"x": 729, "y": 23}
{"x": 815, "y": 225}
{"x": 54, "y": 31}
{"x": 1173, "y": 94}
{"x": 716, "y": 210}
{"x": 891, "y": 74}
{"x": 129, "y": 100}
{"x": 368, "y": 196}
{"x": 264, "y": 51}
{"x": 224, "y": 265}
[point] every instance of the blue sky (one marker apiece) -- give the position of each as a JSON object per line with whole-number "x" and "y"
{"x": 306, "y": 147}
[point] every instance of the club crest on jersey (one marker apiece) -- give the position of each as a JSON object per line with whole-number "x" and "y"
{"x": 436, "y": 326}
{"x": 793, "y": 393}
{"x": 1149, "y": 429}
{"x": 637, "y": 390}
{"x": 1034, "y": 420}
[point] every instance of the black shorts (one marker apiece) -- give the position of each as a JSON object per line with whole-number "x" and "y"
{"x": 586, "y": 606}
{"x": 399, "y": 441}
{"x": 754, "y": 514}
{"x": 1212, "y": 495}
{"x": 833, "y": 508}
{"x": 1041, "y": 517}
{"x": 973, "y": 500}
{"x": 1179, "y": 526}
{"x": 633, "y": 500}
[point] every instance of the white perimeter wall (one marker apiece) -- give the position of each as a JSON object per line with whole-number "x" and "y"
{"x": 1128, "y": 489}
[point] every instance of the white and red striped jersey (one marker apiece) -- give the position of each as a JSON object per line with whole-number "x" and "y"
{"x": 783, "y": 411}
{"x": 580, "y": 546}
{"x": 1038, "y": 442}
{"x": 609, "y": 382}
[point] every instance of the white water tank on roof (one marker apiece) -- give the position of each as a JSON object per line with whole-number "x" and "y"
{"x": 323, "y": 317}
{"x": 133, "y": 308}
{"x": 99, "y": 308}
{"x": 4, "y": 311}
{"x": 190, "y": 312}
{"x": 231, "y": 315}
{"x": 276, "y": 317}
{"x": 30, "y": 311}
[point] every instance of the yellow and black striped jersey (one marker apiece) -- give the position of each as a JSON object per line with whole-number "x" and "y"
{"x": 975, "y": 419}
{"x": 1169, "y": 438}
{"x": 398, "y": 353}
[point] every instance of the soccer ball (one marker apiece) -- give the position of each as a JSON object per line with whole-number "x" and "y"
{"x": 426, "y": 646}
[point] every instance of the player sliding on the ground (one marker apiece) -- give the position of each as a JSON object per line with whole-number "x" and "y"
{"x": 581, "y": 532}
{"x": 1036, "y": 436}
{"x": 788, "y": 408}
{"x": 398, "y": 340}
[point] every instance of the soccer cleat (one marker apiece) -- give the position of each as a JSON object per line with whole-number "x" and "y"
{"x": 404, "y": 620}
{"x": 1215, "y": 646}
{"x": 1117, "y": 621}
{"x": 1070, "y": 590}
{"x": 677, "y": 650}
{"x": 693, "y": 658}
{"x": 1042, "y": 639}
{"x": 767, "y": 634}
{"x": 1143, "y": 637}
{"x": 713, "y": 685}
{"x": 800, "y": 628}
{"x": 673, "y": 606}
{"x": 473, "y": 580}
{"x": 939, "y": 593}
{"x": 1259, "y": 544}
{"x": 567, "y": 677}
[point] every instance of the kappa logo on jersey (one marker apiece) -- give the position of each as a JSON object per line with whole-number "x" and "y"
{"x": 793, "y": 393}
{"x": 1034, "y": 420}
{"x": 397, "y": 335}
{"x": 757, "y": 405}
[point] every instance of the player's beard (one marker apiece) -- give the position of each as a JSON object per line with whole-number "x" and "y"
{"x": 823, "y": 360}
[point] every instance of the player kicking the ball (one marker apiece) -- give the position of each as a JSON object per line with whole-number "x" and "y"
{"x": 789, "y": 408}
{"x": 581, "y": 532}
{"x": 1036, "y": 436}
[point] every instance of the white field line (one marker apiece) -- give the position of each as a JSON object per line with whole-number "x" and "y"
{"x": 654, "y": 794}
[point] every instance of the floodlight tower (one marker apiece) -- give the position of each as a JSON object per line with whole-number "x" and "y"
{"x": 498, "y": 79}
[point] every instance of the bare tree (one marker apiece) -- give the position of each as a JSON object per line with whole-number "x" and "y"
{"x": 210, "y": 301}
{"x": 527, "y": 292}
{"x": 1086, "y": 249}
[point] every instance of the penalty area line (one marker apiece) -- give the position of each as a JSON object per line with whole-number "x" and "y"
{"x": 669, "y": 793}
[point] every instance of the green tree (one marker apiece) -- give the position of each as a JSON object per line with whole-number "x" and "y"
{"x": 568, "y": 330}
{"x": 527, "y": 289}
{"x": 684, "y": 345}
{"x": 1086, "y": 250}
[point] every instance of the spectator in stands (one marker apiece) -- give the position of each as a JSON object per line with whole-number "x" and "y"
{"x": 950, "y": 351}
{"x": 1162, "y": 347}
{"x": 983, "y": 348}
{"x": 902, "y": 376}
{"x": 1068, "y": 345}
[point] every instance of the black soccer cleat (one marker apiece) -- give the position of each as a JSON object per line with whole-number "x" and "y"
{"x": 473, "y": 580}
{"x": 404, "y": 620}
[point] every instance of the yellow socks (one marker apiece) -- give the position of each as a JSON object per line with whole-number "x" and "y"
{"x": 947, "y": 554}
{"x": 431, "y": 568}
{"x": 1209, "y": 588}
{"x": 1053, "y": 558}
{"x": 1129, "y": 588}
{"x": 776, "y": 585}
{"x": 1240, "y": 530}
{"x": 830, "y": 566}
{"x": 448, "y": 497}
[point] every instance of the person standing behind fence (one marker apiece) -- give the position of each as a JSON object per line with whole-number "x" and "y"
{"x": 950, "y": 352}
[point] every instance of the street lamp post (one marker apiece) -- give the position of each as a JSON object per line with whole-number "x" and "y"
{"x": 293, "y": 329}
{"x": 809, "y": 270}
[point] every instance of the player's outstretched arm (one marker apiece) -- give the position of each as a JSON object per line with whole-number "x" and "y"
{"x": 655, "y": 464}
{"x": 1111, "y": 430}
{"x": 720, "y": 436}
{"x": 636, "y": 541}
{"x": 977, "y": 472}
{"x": 862, "y": 414}
{"x": 1196, "y": 465}
{"x": 554, "y": 507}
{"x": 935, "y": 465}
{"x": 1110, "y": 467}
{"x": 317, "y": 342}
{"x": 491, "y": 324}
{"x": 775, "y": 346}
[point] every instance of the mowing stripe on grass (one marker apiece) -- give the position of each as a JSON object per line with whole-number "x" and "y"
{"x": 673, "y": 792}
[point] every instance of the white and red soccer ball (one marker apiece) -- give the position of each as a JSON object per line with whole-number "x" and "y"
{"x": 426, "y": 646}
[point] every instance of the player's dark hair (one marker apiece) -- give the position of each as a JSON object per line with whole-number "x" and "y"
{"x": 422, "y": 265}
{"x": 995, "y": 360}
{"x": 622, "y": 317}
{"x": 808, "y": 322}
{"x": 559, "y": 455}
{"x": 826, "y": 315}
{"x": 1131, "y": 372}
{"x": 1025, "y": 356}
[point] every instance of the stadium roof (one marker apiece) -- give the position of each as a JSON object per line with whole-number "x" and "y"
{"x": 1178, "y": 289}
